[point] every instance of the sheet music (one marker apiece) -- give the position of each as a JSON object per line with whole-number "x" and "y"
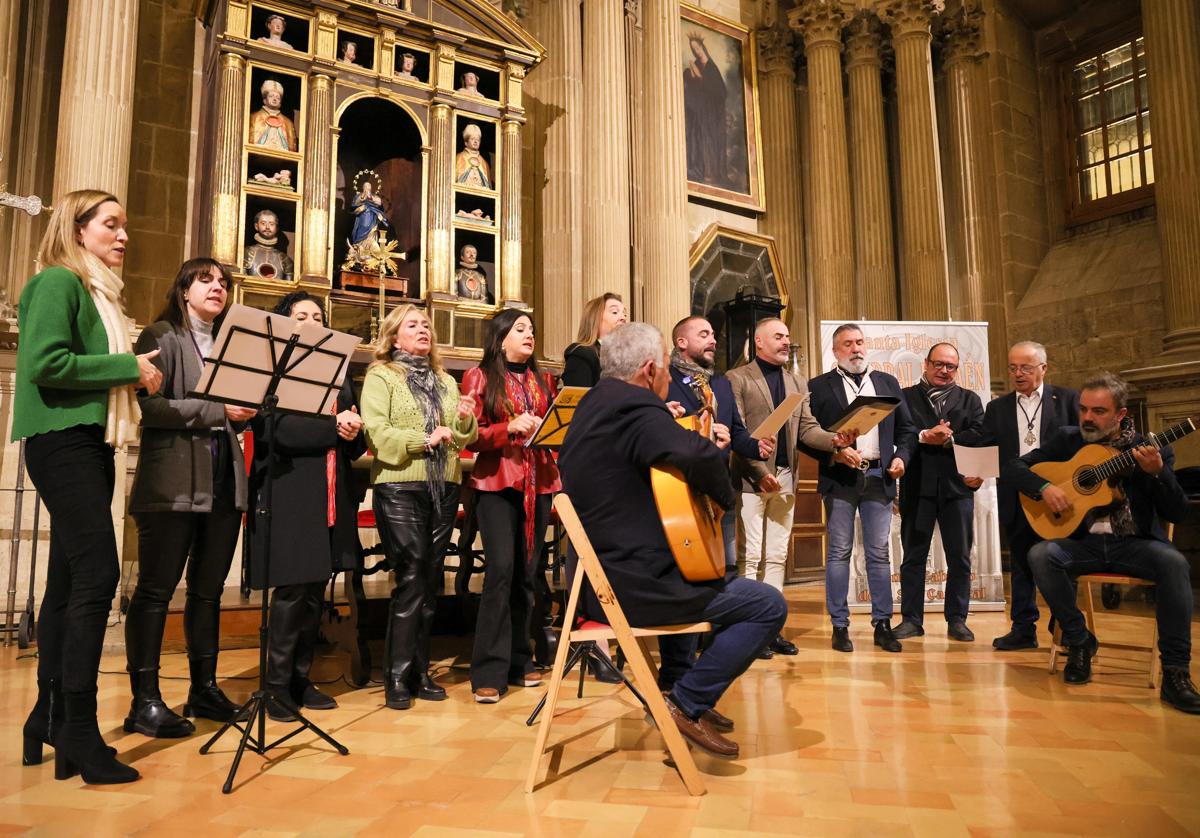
{"x": 977, "y": 462}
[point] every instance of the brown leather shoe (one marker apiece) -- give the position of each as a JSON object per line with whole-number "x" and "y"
{"x": 721, "y": 723}
{"x": 487, "y": 695}
{"x": 529, "y": 679}
{"x": 701, "y": 733}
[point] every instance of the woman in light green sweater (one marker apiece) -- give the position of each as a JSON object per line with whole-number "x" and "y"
{"x": 416, "y": 424}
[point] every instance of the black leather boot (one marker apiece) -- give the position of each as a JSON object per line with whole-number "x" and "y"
{"x": 1079, "y": 661}
{"x": 205, "y": 698}
{"x": 396, "y": 693}
{"x": 1178, "y": 689}
{"x": 44, "y": 720}
{"x": 148, "y": 714}
{"x": 80, "y": 749}
{"x": 430, "y": 690}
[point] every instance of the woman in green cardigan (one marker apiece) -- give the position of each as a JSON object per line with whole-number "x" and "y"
{"x": 75, "y": 405}
{"x": 416, "y": 423}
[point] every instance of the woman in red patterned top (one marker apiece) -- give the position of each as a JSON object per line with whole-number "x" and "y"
{"x": 514, "y": 486}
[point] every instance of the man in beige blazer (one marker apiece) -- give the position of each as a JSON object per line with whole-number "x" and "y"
{"x": 767, "y": 494}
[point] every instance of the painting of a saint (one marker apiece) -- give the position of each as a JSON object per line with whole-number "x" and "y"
{"x": 704, "y": 96}
{"x": 470, "y": 167}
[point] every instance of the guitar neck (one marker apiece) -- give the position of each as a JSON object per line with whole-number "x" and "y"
{"x": 1114, "y": 465}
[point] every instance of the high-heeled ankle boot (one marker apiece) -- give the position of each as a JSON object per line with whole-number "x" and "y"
{"x": 205, "y": 698}
{"x": 80, "y": 749}
{"x": 148, "y": 714}
{"x": 44, "y": 720}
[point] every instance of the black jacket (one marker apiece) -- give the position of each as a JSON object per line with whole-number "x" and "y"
{"x": 933, "y": 473}
{"x": 897, "y": 435}
{"x": 619, "y": 431}
{"x": 581, "y": 365}
{"x": 1060, "y": 407}
{"x": 302, "y": 547}
{"x": 1150, "y": 497}
{"x": 727, "y": 412}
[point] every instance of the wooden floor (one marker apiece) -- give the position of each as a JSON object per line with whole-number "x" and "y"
{"x": 944, "y": 739}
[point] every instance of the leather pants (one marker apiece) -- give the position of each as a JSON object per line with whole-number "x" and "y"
{"x": 293, "y": 624}
{"x": 414, "y": 539}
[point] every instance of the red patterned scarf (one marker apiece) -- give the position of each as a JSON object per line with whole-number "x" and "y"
{"x": 523, "y": 395}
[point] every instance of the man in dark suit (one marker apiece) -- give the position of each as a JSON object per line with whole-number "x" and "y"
{"x": 933, "y": 492}
{"x": 621, "y": 428}
{"x": 848, "y": 489}
{"x": 1125, "y": 537}
{"x": 1019, "y": 422}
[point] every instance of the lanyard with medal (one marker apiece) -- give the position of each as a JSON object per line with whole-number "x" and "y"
{"x": 863, "y": 464}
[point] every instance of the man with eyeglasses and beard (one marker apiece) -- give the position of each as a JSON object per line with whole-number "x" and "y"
{"x": 1126, "y": 537}
{"x": 933, "y": 492}
{"x": 1020, "y": 422}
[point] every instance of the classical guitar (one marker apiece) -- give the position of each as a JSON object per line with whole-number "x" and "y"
{"x": 1087, "y": 480}
{"x": 691, "y": 521}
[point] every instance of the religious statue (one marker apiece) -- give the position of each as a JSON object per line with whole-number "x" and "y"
{"x": 476, "y": 216}
{"x": 470, "y": 85}
{"x": 265, "y": 258}
{"x": 349, "y": 52}
{"x": 408, "y": 63}
{"x": 470, "y": 169}
{"x": 275, "y": 26}
{"x": 269, "y": 128}
{"x": 281, "y": 178}
{"x": 470, "y": 281}
{"x": 368, "y": 249}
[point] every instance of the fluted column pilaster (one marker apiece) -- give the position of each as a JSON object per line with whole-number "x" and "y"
{"x": 95, "y": 112}
{"x": 636, "y": 104}
{"x": 820, "y": 24}
{"x": 510, "y": 210}
{"x": 227, "y": 158}
{"x": 317, "y": 172}
{"x": 606, "y": 141}
{"x": 874, "y": 262}
{"x": 441, "y": 175}
{"x": 1172, "y": 31}
{"x": 10, "y": 24}
{"x": 923, "y": 233}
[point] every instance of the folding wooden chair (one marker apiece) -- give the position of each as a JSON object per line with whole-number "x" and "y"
{"x": 632, "y": 640}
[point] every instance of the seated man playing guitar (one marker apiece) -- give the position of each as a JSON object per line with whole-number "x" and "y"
{"x": 622, "y": 428}
{"x": 1124, "y": 537}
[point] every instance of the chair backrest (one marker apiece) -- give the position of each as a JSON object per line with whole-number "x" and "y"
{"x": 589, "y": 563}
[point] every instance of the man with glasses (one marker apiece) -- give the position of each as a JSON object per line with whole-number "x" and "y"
{"x": 933, "y": 492}
{"x": 1020, "y": 422}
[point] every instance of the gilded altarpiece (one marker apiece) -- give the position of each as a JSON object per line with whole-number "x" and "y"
{"x": 368, "y": 152}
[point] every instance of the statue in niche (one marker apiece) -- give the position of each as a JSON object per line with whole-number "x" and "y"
{"x": 470, "y": 169}
{"x": 275, "y": 26}
{"x": 470, "y": 281}
{"x": 469, "y": 82}
{"x": 269, "y": 128}
{"x": 349, "y": 52}
{"x": 281, "y": 178}
{"x": 408, "y": 63}
{"x": 265, "y": 258}
{"x": 369, "y": 251}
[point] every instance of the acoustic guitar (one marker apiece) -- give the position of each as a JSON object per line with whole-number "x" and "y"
{"x": 691, "y": 521}
{"x": 1086, "y": 479}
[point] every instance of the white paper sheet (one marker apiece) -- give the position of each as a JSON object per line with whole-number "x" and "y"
{"x": 977, "y": 462}
{"x": 778, "y": 417}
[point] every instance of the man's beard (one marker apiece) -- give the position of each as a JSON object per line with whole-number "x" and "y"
{"x": 1094, "y": 433}
{"x": 855, "y": 365}
{"x": 703, "y": 360}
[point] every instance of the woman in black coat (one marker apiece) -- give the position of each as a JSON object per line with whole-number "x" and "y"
{"x": 315, "y": 529}
{"x": 581, "y": 360}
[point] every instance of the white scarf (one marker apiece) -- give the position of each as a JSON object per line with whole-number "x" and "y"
{"x": 121, "y": 425}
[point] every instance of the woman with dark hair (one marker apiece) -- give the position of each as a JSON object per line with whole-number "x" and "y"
{"x": 75, "y": 405}
{"x": 187, "y": 499}
{"x": 314, "y": 528}
{"x": 514, "y": 485}
{"x": 581, "y": 367}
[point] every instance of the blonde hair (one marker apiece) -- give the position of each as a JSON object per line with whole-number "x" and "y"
{"x": 593, "y": 314}
{"x": 60, "y": 246}
{"x": 385, "y": 343}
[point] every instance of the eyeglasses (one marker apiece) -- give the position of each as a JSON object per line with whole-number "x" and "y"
{"x": 1027, "y": 369}
{"x": 948, "y": 366}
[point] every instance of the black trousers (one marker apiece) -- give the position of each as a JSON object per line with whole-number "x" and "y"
{"x": 293, "y": 625}
{"x": 502, "y": 647}
{"x": 73, "y": 472}
{"x": 1024, "y": 609}
{"x": 955, "y": 520}
{"x": 167, "y": 541}
{"x": 414, "y": 537}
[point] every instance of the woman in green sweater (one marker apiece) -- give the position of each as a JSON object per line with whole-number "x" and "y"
{"x": 74, "y": 405}
{"x": 416, "y": 423}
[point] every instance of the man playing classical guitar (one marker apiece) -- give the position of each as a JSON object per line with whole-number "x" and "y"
{"x": 1125, "y": 537}
{"x": 622, "y": 428}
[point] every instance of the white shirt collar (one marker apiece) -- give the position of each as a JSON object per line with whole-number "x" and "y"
{"x": 1035, "y": 396}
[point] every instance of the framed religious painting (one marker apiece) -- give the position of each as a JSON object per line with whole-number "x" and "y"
{"x": 720, "y": 103}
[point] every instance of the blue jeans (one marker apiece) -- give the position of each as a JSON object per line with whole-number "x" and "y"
{"x": 869, "y": 500}
{"x": 746, "y": 616}
{"x": 1056, "y": 564}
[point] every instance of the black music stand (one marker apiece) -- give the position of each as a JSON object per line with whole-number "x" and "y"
{"x": 271, "y": 363}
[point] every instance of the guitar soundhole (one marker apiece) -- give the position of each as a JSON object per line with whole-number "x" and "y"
{"x": 1086, "y": 480}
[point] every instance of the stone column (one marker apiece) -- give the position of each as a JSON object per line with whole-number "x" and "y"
{"x": 318, "y": 167}
{"x": 636, "y": 103}
{"x": 605, "y": 151}
{"x": 923, "y": 228}
{"x": 662, "y": 208}
{"x": 10, "y": 24}
{"x": 1172, "y": 30}
{"x": 509, "y": 287}
{"x": 227, "y": 158}
{"x": 95, "y": 112}
{"x": 784, "y": 216}
{"x": 820, "y": 24}
{"x": 441, "y": 175}
{"x": 980, "y": 282}
{"x": 874, "y": 261}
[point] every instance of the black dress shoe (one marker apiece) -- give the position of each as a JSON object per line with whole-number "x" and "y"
{"x": 1079, "y": 661}
{"x": 396, "y": 694}
{"x": 430, "y": 690}
{"x": 907, "y": 629}
{"x": 1016, "y": 640}
{"x": 1179, "y": 691}
{"x": 958, "y": 631}
{"x": 312, "y": 698}
{"x": 151, "y": 717}
{"x": 765, "y": 653}
{"x": 281, "y": 707}
{"x": 782, "y": 646}
{"x": 885, "y": 638}
{"x": 605, "y": 674}
{"x": 209, "y": 702}
{"x": 841, "y": 639}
